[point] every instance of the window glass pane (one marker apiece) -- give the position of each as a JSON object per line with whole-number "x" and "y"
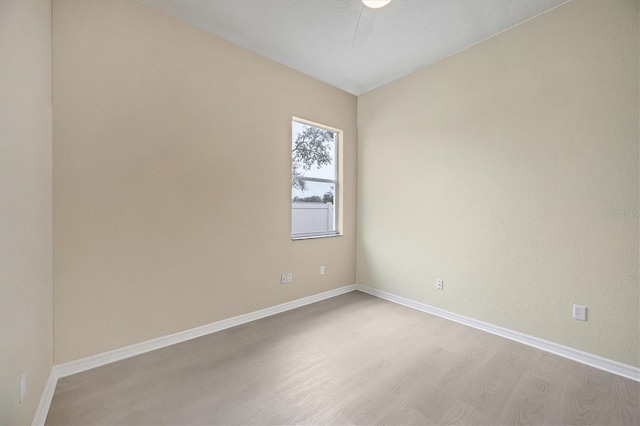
{"x": 313, "y": 209}
{"x": 313, "y": 151}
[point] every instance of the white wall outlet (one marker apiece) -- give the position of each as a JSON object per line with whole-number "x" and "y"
{"x": 286, "y": 278}
{"x": 439, "y": 285}
{"x": 23, "y": 387}
{"x": 580, "y": 312}
{"x": 322, "y": 270}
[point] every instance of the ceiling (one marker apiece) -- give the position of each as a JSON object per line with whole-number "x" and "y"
{"x": 316, "y": 37}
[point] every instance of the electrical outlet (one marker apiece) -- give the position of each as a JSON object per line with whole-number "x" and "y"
{"x": 289, "y": 277}
{"x": 580, "y": 312}
{"x": 322, "y": 270}
{"x": 23, "y": 387}
{"x": 439, "y": 285}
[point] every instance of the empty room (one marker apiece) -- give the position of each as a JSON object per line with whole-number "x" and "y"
{"x": 319, "y": 212}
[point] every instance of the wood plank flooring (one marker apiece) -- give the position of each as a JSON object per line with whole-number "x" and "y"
{"x": 352, "y": 359}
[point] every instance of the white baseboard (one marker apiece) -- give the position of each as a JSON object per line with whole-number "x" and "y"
{"x": 564, "y": 351}
{"x": 83, "y": 364}
{"x": 45, "y": 400}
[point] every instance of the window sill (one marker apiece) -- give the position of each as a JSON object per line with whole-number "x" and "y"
{"x": 314, "y": 237}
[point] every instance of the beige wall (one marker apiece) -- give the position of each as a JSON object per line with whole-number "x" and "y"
{"x": 494, "y": 170}
{"x": 172, "y": 178}
{"x": 26, "y": 329}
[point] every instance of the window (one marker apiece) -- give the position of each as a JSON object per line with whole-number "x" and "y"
{"x": 314, "y": 183}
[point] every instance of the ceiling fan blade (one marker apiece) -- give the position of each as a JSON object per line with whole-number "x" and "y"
{"x": 364, "y": 26}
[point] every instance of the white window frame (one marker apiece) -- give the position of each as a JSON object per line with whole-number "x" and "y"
{"x": 336, "y": 196}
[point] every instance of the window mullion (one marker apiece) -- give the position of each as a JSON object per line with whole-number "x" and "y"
{"x": 314, "y": 179}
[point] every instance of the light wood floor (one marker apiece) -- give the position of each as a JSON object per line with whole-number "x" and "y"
{"x": 353, "y": 359}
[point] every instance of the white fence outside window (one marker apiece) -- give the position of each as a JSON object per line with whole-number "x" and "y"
{"x": 309, "y": 218}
